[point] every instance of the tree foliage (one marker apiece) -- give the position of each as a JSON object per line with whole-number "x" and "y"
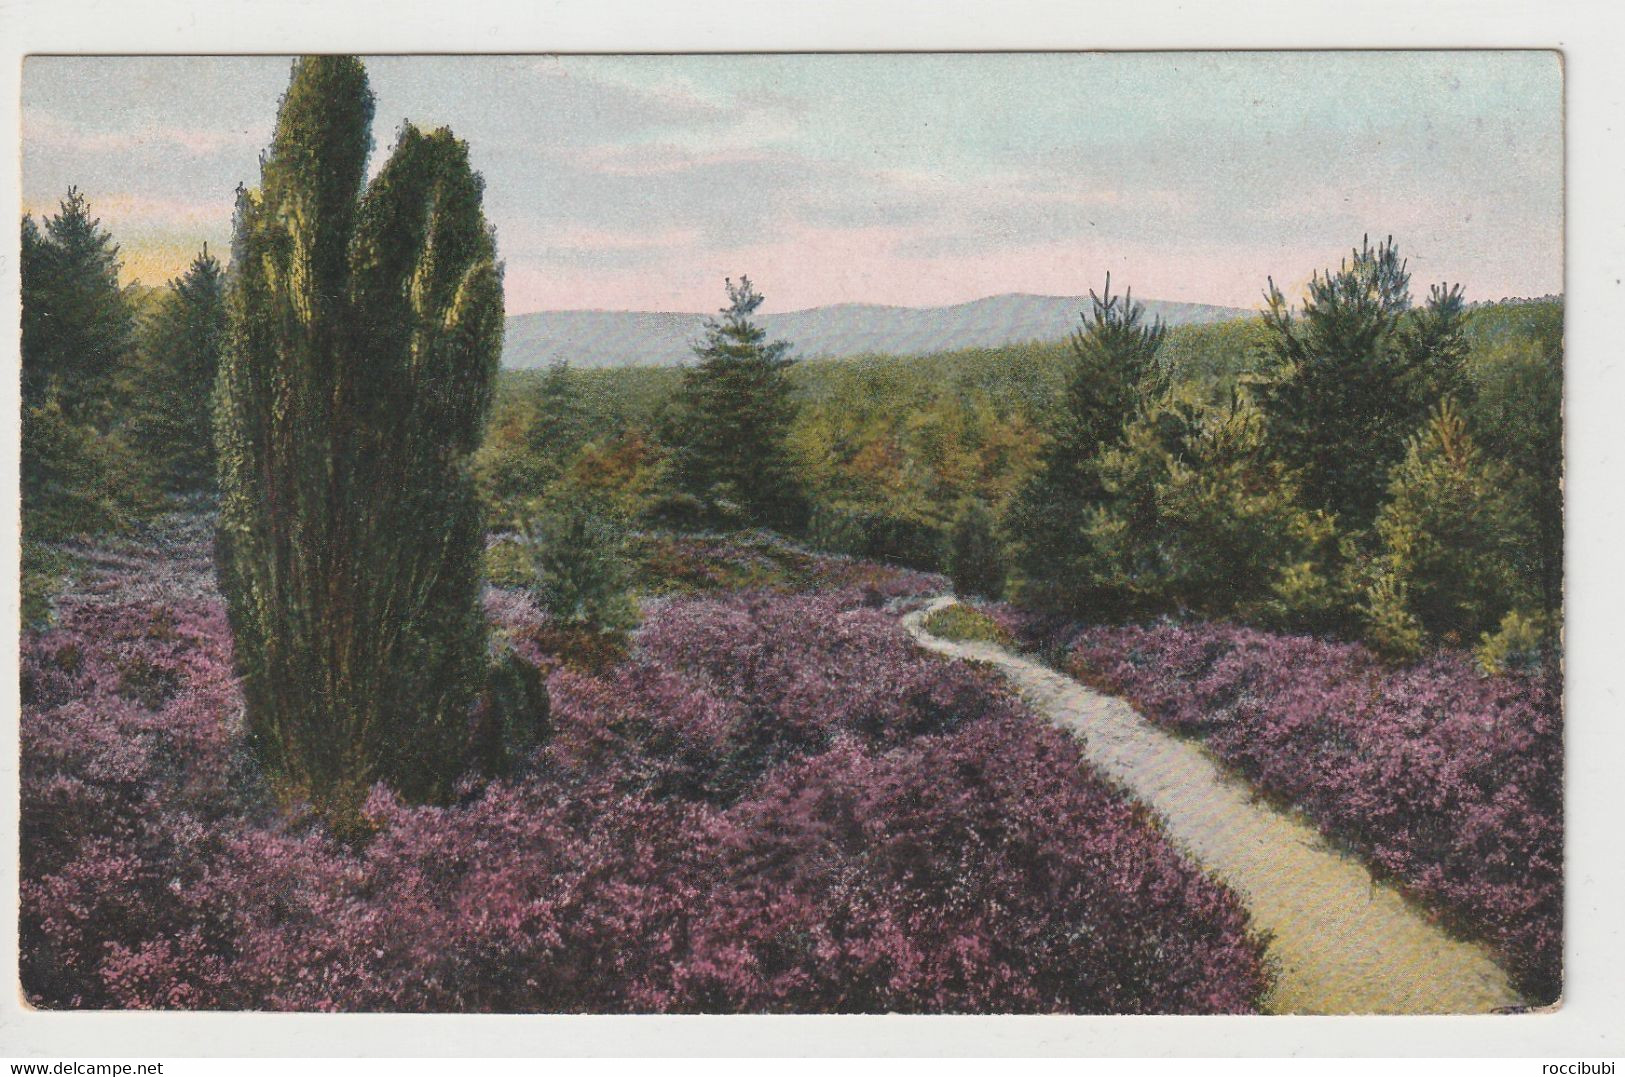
{"x": 179, "y": 359}
{"x": 1197, "y": 499}
{"x": 1115, "y": 372}
{"x": 1201, "y": 521}
{"x": 975, "y": 558}
{"x": 1352, "y": 374}
{"x": 80, "y": 475}
{"x": 1447, "y": 533}
{"x": 76, "y": 480}
{"x": 77, "y": 323}
{"x": 1515, "y": 412}
{"x": 365, "y": 331}
{"x": 733, "y": 419}
{"x": 532, "y": 438}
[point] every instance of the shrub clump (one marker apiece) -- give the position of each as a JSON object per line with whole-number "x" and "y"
{"x": 966, "y": 624}
{"x": 974, "y": 559}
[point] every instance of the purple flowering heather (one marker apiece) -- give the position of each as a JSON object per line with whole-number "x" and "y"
{"x": 1442, "y": 778}
{"x": 776, "y": 804}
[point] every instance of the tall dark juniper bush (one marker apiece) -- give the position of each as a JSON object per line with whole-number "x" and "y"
{"x": 365, "y": 332}
{"x": 733, "y": 459}
{"x": 1115, "y": 374}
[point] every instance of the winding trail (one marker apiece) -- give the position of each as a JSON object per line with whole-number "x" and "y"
{"x": 1343, "y": 942}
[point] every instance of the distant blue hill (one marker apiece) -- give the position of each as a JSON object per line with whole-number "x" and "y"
{"x": 603, "y": 338}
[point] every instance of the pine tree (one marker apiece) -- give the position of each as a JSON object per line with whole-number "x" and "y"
{"x": 560, "y": 424}
{"x": 179, "y": 359}
{"x": 1433, "y": 340}
{"x": 1447, "y": 539}
{"x": 1352, "y": 374}
{"x": 1115, "y": 373}
{"x": 79, "y": 476}
{"x": 536, "y": 431}
{"x": 1201, "y": 521}
{"x": 734, "y": 416}
{"x": 35, "y": 271}
{"x": 78, "y": 327}
{"x": 365, "y": 332}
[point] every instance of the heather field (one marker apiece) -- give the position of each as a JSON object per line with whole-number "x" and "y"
{"x": 937, "y": 625}
{"x": 774, "y": 803}
{"x": 1436, "y": 775}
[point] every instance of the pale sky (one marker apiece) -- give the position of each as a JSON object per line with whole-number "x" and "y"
{"x": 639, "y": 182}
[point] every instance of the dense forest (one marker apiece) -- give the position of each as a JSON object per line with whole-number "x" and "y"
{"x": 1199, "y": 507}
{"x": 1234, "y": 471}
{"x": 1248, "y": 476}
{"x": 1447, "y": 529}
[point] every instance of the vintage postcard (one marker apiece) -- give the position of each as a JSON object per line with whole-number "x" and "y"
{"x": 847, "y": 533}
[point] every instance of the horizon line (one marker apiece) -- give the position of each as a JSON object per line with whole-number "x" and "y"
{"x": 1511, "y": 298}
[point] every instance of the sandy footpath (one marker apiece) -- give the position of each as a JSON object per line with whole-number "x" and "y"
{"x": 1343, "y": 943}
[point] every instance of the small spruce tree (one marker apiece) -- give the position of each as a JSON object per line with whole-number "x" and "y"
{"x": 733, "y": 421}
{"x": 538, "y": 427}
{"x": 179, "y": 359}
{"x": 578, "y": 557}
{"x": 975, "y": 559}
{"x": 1115, "y": 373}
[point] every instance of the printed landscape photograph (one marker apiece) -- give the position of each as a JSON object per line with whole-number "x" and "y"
{"x": 793, "y": 533}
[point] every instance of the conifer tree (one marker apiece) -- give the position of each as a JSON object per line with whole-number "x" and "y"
{"x": 1516, "y": 416}
{"x": 734, "y": 418}
{"x": 1200, "y": 520}
{"x": 34, "y": 266}
{"x": 561, "y": 424}
{"x": 1447, "y": 540}
{"x": 365, "y": 332}
{"x": 79, "y": 476}
{"x": 1353, "y": 373}
{"x": 179, "y": 359}
{"x": 578, "y": 556}
{"x": 1115, "y": 373}
{"x": 533, "y": 437}
{"x": 78, "y": 327}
